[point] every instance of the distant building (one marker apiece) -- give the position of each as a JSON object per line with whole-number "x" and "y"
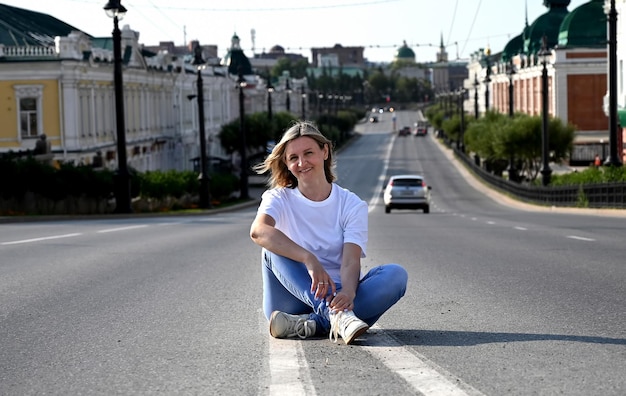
{"x": 346, "y": 56}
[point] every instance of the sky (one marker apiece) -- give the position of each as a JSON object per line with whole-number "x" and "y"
{"x": 380, "y": 26}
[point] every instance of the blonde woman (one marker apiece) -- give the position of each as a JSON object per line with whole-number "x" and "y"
{"x": 313, "y": 235}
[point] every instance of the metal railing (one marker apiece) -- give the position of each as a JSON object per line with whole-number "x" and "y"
{"x": 601, "y": 195}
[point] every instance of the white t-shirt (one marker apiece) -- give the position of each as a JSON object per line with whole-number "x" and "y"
{"x": 320, "y": 227}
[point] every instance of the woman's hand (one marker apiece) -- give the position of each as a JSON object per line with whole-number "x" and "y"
{"x": 341, "y": 301}
{"x": 321, "y": 283}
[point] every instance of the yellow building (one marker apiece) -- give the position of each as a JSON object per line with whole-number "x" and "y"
{"x": 58, "y": 81}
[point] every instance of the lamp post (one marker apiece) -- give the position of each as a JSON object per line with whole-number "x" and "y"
{"x": 511, "y": 72}
{"x": 476, "y": 85}
{"x": 205, "y": 191}
{"x": 303, "y": 103}
{"x": 287, "y": 98}
{"x": 270, "y": 89}
{"x": 546, "y": 172}
{"x": 487, "y": 80}
{"x": 614, "y": 158}
{"x": 243, "y": 189}
{"x": 117, "y": 11}
{"x": 461, "y": 141}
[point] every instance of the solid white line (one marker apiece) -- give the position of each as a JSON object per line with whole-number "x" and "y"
{"x": 289, "y": 370}
{"x": 41, "y": 239}
{"x": 580, "y": 238}
{"x": 122, "y": 228}
{"x": 415, "y": 371}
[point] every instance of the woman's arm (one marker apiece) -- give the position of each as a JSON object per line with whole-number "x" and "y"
{"x": 264, "y": 234}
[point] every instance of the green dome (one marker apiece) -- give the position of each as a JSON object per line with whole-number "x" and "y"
{"x": 585, "y": 26}
{"x": 405, "y": 53}
{"x": 513, "y": 47}
{"x": 547, "y": 24}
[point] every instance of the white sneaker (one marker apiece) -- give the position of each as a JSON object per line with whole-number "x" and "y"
{"x": 284, "y": 325}
{"x": 347, "y": 325}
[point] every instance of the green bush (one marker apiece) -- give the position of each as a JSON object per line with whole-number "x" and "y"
{"x": 162, "y": 184}
{"x": 592, "y": 175}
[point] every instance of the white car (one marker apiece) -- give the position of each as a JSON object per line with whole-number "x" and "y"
{"x": 407, "y": 192}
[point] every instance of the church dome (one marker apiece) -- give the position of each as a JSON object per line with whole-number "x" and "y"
{"x": 585, "y": 26}
{"x": 405, "y": 53}
{"x": 277, "y": 49}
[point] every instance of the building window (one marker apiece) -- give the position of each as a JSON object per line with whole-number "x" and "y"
{"x": 29, "y": 99}
{"x": 28, "y": 117}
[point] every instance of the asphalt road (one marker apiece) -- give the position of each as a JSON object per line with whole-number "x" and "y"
{"x": 502, "y": 299}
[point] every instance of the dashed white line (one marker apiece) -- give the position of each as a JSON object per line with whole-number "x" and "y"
{"x": 41, "y": 239}
{"x": 578, "y": 238}
{"x": 122, "y": 228}
{"x": 521, "y": 228}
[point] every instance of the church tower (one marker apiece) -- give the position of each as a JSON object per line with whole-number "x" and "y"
{"x": 442, "y": 55}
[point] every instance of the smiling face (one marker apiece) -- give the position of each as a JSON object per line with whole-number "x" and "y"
{"x": 305, "y": 159}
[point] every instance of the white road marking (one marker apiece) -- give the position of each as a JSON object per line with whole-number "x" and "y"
{"x": 580, "y": 238}
{"x": 491, "y": 222}
{"x": 521, "y": 228}
{"x": 122, "y": 228}
{"x": 41, "y": 239}
{"x": 416, "y": 372}
{"x": 289, "y": 370}
{"x": 374, "y": 201}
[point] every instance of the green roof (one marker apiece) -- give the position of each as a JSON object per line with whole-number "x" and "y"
{"x": 20, "y": 27}
{"x": 585, "y": 26}
{"x": 547, "y": 24}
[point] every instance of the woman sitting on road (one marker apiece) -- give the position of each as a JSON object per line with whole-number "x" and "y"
{"x": 313, "y": 234}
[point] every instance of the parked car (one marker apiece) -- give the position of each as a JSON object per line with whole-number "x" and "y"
{"x": 405, "y": 131}
{"x": 407, "y": 192}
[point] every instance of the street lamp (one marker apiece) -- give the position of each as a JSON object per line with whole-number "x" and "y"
{"x": 487, "y": 79}
{"x": 476, "y": 85}
{"x": 205, "y": 191}
{"x": 461, "y": 141}
{"x": 270, "y": 89}
{"x": 614, "y": 155}
{"x": 287, "y": 98}
{"x": 303, "y": 103}
{"x": 117, "y": 11}
{"x": 511, "y": 72}
{"x": 544, "y": 54}
{"x": 243, "y": 194}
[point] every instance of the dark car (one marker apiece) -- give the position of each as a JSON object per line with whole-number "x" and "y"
{"x": 405, "y": 131}
{"x": 373, "y": 119}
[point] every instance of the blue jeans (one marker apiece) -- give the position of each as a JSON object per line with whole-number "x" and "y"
{"x": 287, "y": 288}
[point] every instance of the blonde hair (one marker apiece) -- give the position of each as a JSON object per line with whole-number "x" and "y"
{"x": 280, "y": 176}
